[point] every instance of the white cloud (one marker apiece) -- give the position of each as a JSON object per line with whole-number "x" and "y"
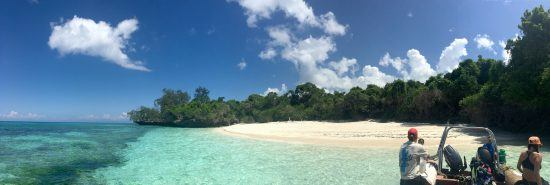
{"x": 331, "y": 26}
{"x": 281, "y": 36}
{"x": 309, "y": 51}
{"x": 372, "y": 75}
{"x": 298, "y": 9}
{"x": 344, "y": 65}
{"x": 105, "y": 117}
{"x": 268, "y": 53}
{"x": 87, "y": 37}
{"x": 242, "y": 65}
{"x": 452, "y": 55}
{"x": 123, "y": 115}
{"x": 396, "y": 63}
{"x": 414, "y": 67}
{"x": 502, "y": 43}
{"x": 506, "y": 55}
{"x": 410, "y": 15}
{"x": 484, "y": 42}
{"x": 419, "y": 68}
{"x": 309, "y": 54}
{"x": 14, "y": 115}
{"x": 280, "y": 91}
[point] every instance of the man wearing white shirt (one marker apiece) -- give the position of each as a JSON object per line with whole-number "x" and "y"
{"x": 411, "y": 156}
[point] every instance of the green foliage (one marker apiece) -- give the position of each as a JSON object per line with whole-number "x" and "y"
{"x": 484, "y": 92}
{"x": 201, "y": 95}
{"x": 145, "y": 115}
{"x": 530, "y": 56}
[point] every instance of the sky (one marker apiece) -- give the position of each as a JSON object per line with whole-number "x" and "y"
{"x": 95, "y": 60}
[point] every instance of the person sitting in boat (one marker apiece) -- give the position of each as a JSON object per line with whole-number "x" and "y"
{"x": 410, "y": 156}
{"x": 488, "y": 154}
{"x": 529, "y": 163}
{"x": 421, "y": 141}
{"x": 489, "y": 146}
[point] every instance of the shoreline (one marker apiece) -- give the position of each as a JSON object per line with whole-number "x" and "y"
{"x": 359, "y": 134}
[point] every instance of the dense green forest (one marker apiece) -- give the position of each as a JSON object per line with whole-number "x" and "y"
{"x": 487, "y": 92}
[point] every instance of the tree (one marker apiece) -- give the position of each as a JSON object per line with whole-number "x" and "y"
{"x": 530, "y": 58}
{"x": 201, "y": 95}
{"x": 145, "y": 115}
{"x": 171, "y": 98}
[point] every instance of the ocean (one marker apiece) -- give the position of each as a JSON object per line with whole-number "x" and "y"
{"x": 124, "y": 153}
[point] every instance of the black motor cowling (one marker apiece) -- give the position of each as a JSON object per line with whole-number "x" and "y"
{"x": 453, "y": 159}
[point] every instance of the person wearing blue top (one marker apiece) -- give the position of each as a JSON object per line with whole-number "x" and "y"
{"x": 489, "y": 146}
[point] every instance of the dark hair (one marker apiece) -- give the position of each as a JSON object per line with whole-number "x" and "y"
{"x": 411, "y": 137}
{"x": 534, "y": 146}
{"x": 421, "y": 141}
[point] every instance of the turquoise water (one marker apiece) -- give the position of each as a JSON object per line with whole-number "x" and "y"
{"x": 101, "y": 153}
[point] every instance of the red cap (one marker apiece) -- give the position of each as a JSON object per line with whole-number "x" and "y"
{"x": 413, "y": 132}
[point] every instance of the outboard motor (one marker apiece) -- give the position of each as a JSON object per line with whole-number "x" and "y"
{"x": 453, "y": 159}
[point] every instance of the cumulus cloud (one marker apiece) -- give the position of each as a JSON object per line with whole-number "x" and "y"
{"x": 242, "y": 65}
{"x": 296, "y": 9}
{"x": 11, "y": 114}
{"x": 484, "y": 42}
{"x": 452, "y": 55}
{"x": 308, "y": 56}
{"x": 280, "y": 35}
{"x": 105, "y": 117}
{"x": 419, "y": 68}
{"x": 344, "y": 65}
{"x": 396, "y": 63}
{"x": 268, "y": 53}
{"x": 372, "y": 75}
{"x": 14, "y": 115}
{"x": 331, "y": 26}
{"x": 414, "y": 67}
{"x": 506, "y": 56}
{"x": 282, "y": 90}
{"x": 310, "y": 53}
{"x": 99, "y": 39}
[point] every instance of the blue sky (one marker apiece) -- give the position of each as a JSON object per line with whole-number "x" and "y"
{"x": 58, "y": 62}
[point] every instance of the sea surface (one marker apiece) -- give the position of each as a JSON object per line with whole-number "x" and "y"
{"x": 123, "y": 153}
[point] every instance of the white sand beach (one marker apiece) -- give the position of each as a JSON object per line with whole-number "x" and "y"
{"x": 360, "y": 134}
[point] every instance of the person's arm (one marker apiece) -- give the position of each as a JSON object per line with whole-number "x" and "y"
{"x": 495, "y": 153}
{"x": 422, "y": 152}
{"x": 538, "y": 161}
{"x": 400, "y": 153}
{"x": 521, "y": 158}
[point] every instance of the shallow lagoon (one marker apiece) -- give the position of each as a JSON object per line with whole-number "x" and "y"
{"x": 106, "y": 153}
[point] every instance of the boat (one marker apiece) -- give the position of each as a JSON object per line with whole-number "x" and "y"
{"x": 457, "y": 172}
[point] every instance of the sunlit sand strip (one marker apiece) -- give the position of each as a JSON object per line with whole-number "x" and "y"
{"x": 361, "y": 134}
